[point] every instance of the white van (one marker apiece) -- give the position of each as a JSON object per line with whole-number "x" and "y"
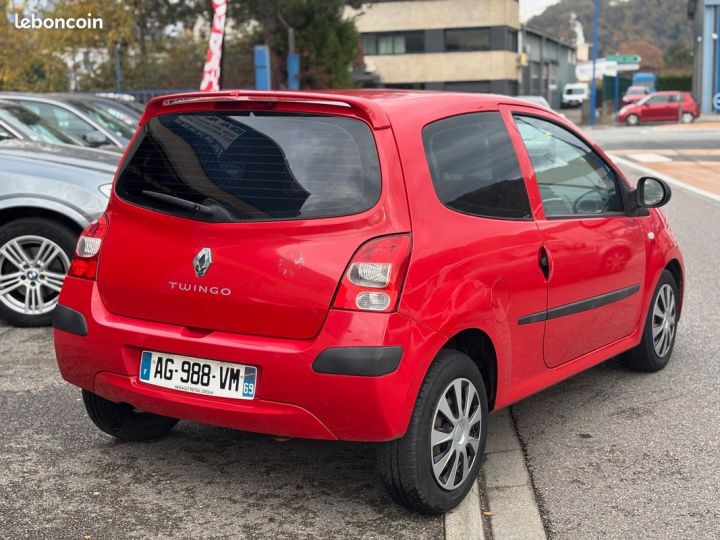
{"x": 574, "y": 94}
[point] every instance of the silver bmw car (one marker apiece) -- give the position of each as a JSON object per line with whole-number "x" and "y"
{"x": 48, "y": 194}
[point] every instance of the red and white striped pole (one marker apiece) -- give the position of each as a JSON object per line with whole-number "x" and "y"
{"x": 213, "y": 60}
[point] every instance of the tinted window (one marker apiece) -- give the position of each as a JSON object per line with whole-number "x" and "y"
{"x": 572, "y": 178}
{"x": 254, "y": 167}
{"x": 474, "y": 168}
{"x": 474, "y": 39}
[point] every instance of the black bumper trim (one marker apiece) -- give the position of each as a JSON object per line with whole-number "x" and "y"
{"x": 362, "y": 361}
{"x": 69, "y": 320}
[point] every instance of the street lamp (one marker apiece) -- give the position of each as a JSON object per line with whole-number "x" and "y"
{"x": 593, "y": 85}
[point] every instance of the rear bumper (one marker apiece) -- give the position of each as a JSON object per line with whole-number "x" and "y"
{"x": 303, "y": 389}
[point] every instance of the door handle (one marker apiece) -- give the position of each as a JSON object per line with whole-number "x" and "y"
{"x": 544, "y": 262}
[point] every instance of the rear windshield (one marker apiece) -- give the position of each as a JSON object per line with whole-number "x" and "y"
{"x": 252, "y": 166}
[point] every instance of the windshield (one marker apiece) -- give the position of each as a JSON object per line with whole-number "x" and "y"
{"x": 34, "y": 127}
{"x": 117, "y": 127}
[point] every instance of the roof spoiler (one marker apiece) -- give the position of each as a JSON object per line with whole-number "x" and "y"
{"x": 315, "y": 101}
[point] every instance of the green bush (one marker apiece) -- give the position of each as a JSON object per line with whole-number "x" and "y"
{"x": 682, "y": 81}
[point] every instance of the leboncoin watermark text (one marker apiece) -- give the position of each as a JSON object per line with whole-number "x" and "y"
{"x": 33, "y": 22}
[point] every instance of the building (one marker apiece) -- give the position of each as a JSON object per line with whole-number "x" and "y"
{"x": 706, "y": 69}
{"x": 455, "y": 45}
{"x": 548, "y": 65}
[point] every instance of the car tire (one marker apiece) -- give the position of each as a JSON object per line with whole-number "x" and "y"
{"x": 658, "y": 339}
{"x": 687, "y": 118}
{"x": 407, "y": 465}
{"x": 632, "y": 120}
{"x": 20, "y": 247}
{"x": 123, "y": 421}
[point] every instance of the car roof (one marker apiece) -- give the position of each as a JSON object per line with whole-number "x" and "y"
{"x": 381, "y": 106}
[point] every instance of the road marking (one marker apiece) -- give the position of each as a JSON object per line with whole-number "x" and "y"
{"x": 648, "y": 157}
{"x": 669, "y": 179}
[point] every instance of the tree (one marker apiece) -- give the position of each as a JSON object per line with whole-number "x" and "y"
{"x": 678, "y": 55}
{"x": 651, "y": 56}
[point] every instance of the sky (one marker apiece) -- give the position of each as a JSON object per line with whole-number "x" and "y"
{"x": 529, "y": 8}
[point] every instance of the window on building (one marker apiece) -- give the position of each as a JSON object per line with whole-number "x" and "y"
{"x": 394, "y": 43}
{"x": 474, "y": 168}
{"x": 470, "y": 39}
{"x": 468, "y": 86}
{"x": 511, "y": 43}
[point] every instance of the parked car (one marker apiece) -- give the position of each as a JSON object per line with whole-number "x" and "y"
{"x": 17, "y": 122}
{"x": 574, "y": 95}
{"x": 364, "y": 266}
{"x": 661, "y": 107}
{"x": 634, "y": 94}
{"x": 118, "y": 110}
{"x": 48, "y": 194}
{"x": 79, "y": 121}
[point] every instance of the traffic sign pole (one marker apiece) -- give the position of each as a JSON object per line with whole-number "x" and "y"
{"x": 593, "y": 87}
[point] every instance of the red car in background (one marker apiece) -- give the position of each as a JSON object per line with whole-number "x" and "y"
{"x": 362, "y": 266}
{"x": 669, "y": 106}
{"x": 634, "y": 94}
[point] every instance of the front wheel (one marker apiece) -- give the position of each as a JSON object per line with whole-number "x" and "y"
{"x": 632, "y": 120}
{"x": 658, "y": 339}
{"x": 432, "y": 468}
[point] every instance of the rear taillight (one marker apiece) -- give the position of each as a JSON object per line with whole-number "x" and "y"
{"x": 87, "y": 251}
{"x": 375, "y": 275}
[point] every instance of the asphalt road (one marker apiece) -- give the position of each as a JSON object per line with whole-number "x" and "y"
{"x": 616, "y": 454}
{"x": 62, "y": 478}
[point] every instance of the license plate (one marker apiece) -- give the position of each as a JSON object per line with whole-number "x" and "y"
{"x": 197, "y": 375}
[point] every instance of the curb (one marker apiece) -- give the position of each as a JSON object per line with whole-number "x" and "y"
{"x": 510, "y": 508}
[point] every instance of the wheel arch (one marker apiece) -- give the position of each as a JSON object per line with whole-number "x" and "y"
{"x": 675, "y": 268}
{"x": 478, "y": 345}
{"x": 16, "y": 212}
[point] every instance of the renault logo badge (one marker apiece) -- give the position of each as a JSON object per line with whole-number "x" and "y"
{"x": 202, "y": 262}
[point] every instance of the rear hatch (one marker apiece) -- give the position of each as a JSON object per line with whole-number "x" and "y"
{"x": 241, "y": 221}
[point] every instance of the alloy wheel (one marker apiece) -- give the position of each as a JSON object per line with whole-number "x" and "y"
{"x": 664, "y": 320}
{"x": 32, "y": 271}
{"x": 455, "y": 433}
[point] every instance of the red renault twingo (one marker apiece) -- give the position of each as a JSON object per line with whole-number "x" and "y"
{"x": 365, "y": 266}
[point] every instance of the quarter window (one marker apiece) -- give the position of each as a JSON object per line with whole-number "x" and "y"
{"x": 572, "y": 178}
{"x": 474, "y": 168}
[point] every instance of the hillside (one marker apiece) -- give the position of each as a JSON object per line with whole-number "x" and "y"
{"x": 662, "y": 23}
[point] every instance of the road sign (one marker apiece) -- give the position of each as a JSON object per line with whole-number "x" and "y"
{"x": 624, "y": 58}
{"x": 716, "y": 102}
{"x": 628, "y": 67}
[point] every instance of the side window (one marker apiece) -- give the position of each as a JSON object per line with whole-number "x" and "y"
{"x": 474, "y": 167}
{"x": 60, "y": 117}
{"x": 573, "y": 179}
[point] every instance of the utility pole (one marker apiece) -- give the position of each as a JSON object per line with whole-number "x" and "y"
{"x": 593, "y": 85}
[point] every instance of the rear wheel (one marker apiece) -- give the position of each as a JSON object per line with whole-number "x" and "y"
{"x": 434, "y": 465}
{"x": 632, "y": 120}
{"x": 123, "y": 421}
{"x": 34, "y": 259}
{"x": 658, "y": 340}
{"x": 687, "y": 118}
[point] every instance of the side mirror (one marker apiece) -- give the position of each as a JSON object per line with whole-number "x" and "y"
{"x": 95, "y": 138}
{"x": 652, "y": 192}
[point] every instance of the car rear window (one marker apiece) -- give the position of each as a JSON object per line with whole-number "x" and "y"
{"x": 252, "y": 166}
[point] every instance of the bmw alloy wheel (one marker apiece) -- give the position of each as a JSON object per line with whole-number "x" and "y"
{"x": 32, "y": 271}
{"x": 664, "y": 320}
{"x": 455, "y": 433}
